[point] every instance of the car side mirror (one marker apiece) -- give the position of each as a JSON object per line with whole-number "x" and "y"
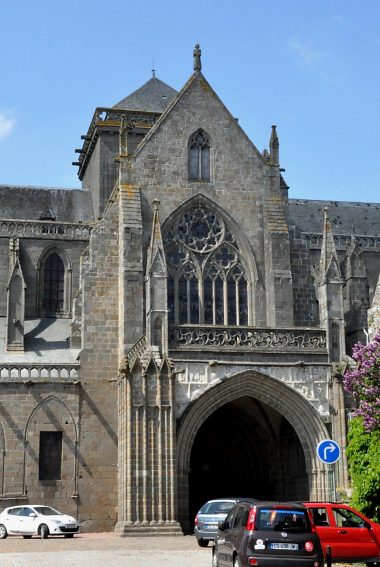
{"x": 32, "y": 515}
{"x": 222, "y": 525}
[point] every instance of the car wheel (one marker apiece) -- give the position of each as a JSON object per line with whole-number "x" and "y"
{"x": 3, "y": 531}
{"x": 203, "y": 542}
{"x": 27, "y": 536}
{"x": 237, "y": 562}
{"x": 44, "y": 531}
{"x": 69, "y": 535}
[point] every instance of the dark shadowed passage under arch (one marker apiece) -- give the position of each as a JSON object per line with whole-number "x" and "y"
{"x": 246, "y": 448}
{"x": 250, "y": 434}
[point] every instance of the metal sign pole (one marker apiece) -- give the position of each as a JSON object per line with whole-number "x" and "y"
{"x": 328, "y": 451}
{"x": 332, "y": 487}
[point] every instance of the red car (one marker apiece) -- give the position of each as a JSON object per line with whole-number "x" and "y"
{"x": 352, "y": 537}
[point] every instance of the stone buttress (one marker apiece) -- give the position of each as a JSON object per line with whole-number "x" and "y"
{"x": 147, "y": 438}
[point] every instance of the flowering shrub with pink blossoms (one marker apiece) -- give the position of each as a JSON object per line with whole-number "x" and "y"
{"x": 363, "y": 383}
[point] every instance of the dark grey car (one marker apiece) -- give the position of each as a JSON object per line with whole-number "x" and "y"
{"x": 271, "y": 534}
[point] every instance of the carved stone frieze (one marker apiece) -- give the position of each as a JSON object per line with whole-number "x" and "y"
{"x": 247, "y": 338}
{"x": 309, "y": 381}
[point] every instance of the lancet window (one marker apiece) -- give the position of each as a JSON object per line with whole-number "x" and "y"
{"x": 199, "y": 157}
{"x": 207, "y": 274}
{"x": 53, "y": 292}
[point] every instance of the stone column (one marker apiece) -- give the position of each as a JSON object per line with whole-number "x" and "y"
{"x": 147, "y": 451}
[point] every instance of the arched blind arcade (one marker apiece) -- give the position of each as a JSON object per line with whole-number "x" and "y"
{"x": 199, "y": 157}
{"x": 207, "y": 281}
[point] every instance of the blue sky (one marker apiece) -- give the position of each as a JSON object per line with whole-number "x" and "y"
{"x": 309, "y": 66}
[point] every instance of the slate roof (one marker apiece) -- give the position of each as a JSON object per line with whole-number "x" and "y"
{"x": 307, "y": 216}
{"x": 153, "y": 96}
{"x": 29, "y": 203}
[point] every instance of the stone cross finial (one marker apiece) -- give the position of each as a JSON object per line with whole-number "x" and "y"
{"x": 197, "y": 58}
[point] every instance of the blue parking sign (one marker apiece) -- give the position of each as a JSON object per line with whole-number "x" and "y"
{"x": 328, "y": 451}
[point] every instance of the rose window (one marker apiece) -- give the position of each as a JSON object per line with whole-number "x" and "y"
{"x": 207, "y": 281}
{"x": 200, "y": 230}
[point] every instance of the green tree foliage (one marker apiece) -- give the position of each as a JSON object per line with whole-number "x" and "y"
{"x": 363, "y": 454}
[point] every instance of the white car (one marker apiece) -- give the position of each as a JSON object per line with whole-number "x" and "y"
{"x": 29, "y": 520}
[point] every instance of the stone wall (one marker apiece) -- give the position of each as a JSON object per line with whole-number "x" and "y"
{"x": 27, "y": 409}
{"x": 98, "y": 472}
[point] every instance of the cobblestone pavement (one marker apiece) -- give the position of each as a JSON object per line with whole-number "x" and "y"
{"x": 99, "y": 549}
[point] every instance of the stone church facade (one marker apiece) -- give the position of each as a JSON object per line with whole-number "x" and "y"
{"x": 176, "y": 329}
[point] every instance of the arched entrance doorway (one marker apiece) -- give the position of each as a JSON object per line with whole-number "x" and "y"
{"x": 246, "y": 448}
{"x": 249, "y": 435}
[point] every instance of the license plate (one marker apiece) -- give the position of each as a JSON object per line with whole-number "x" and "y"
{"x": 210, "y": 526}
{"x": 289, "y": 546}
{"x": 70, "y": 526}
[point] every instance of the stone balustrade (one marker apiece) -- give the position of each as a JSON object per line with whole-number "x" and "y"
{"x": 43, "y": 229}
{"x": 136, "y": 351}
{"x": 29, "y": 372}
{"x": 343, "y": 241}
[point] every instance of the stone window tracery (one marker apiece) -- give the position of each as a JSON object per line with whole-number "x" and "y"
{"x": 199, "y": 157}
{"x": 207, "y": 275}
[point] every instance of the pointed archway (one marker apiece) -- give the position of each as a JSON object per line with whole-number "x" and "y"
{"x": 249, "y": 435}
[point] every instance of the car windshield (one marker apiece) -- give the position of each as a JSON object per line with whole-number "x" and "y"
{"x": 217, "y": 507}
{"x": 47, "y": 511}
{"x": 282, "y": 519}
